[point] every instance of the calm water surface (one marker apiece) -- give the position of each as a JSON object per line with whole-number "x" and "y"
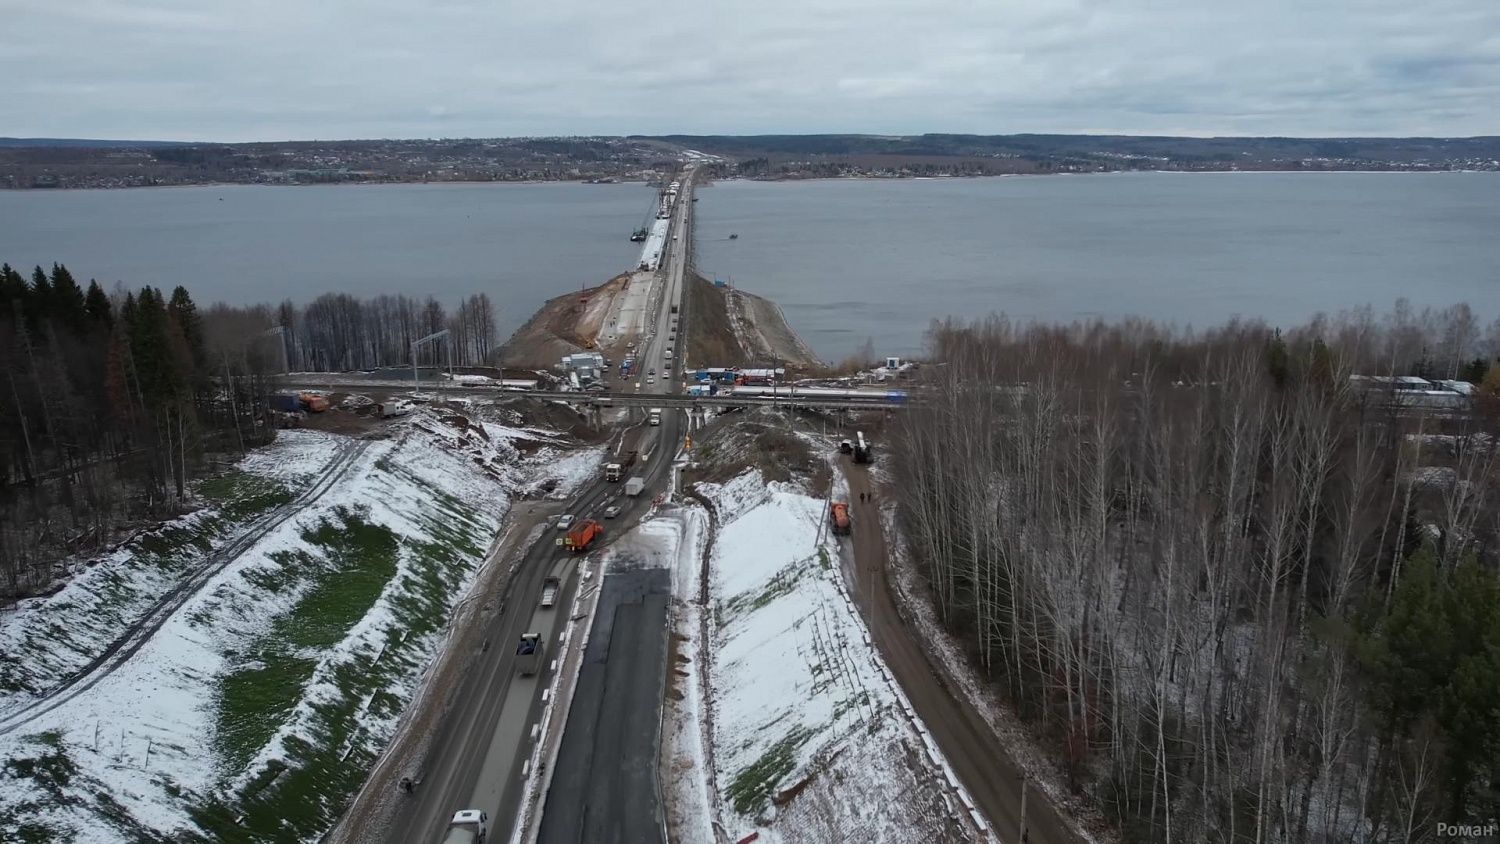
{"x": 522, "y": 244}
{"x": 847, "y": 260}
{"x": 851, "y": 260}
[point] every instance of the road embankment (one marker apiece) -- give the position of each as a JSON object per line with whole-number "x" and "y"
{"x": 564, "y": 325}
{"x": 729, "y": 327}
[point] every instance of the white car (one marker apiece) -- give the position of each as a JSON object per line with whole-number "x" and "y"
{"x": 651, "y": 380}
{"x": 611, "y": 512}
{"x": 565, "y": 521}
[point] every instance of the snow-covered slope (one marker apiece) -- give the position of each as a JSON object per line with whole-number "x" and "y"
{"x": 810, "y": 739}
{"x": 259, "y": 696}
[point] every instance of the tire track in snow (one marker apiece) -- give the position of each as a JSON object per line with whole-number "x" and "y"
{"x": 141, "y": 631}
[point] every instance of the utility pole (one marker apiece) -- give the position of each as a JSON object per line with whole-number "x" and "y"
{"x": 1024, "y": 833}
{"x": 415, "y": 376}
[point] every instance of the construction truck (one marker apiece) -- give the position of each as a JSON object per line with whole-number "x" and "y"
{"x": 313, "y": 402}
{"x": 471, "y": 826}
{"x": 613, "y": 472}
{"x": 838, "y": 516}
{"x": 635, "y": 486}
{"x": 655, "y": 416}
{"x": 529, "y": 654}
{"x": 550, "y": 588}
{"x": 582, "y": 535}
{"x": 862, "y": 449}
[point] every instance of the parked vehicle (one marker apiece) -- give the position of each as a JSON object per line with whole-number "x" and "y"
{"x": 565, "y": 521}
{"x": 471, "y": 826}
{"x": 286, "y": 403}
{"x": 611, "y": 511}
{"x": 635, "y": 486}
{"x": 862, "y": 449}
{"x": 613, "y": 472}
{"x": 314, "y": 402}
{"x": 550, "y": 588}
{"x": 846, "y": 447}
{"x": 839, "y": 516}
{"x": 583, "y": 535}
{"x": 529, "y": 654}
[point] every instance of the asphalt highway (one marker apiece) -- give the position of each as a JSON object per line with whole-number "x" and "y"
{"x": 605, "y": 787}
{"x": 482, "y": 741}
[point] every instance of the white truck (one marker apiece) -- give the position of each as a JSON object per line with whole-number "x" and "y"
{"x": 635, "y": 486}
{"x": 529, "y": 654}
{"x": 655, "y": 414}
{"x": 613, "y": 472}
{"x": 550, "y": 587}
{"x": 470, "y": 826}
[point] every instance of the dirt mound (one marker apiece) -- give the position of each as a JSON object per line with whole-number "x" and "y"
{"x": 728, "y": 327}
{"x": 564, "y": 325}
{"x": 711, "y": 339}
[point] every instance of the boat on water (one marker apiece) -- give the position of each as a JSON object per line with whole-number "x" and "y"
{"x": 638, "y": 235}
{"x": 734, "y": 237}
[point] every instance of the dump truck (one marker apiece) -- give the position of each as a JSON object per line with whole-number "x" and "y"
{"x": 313, "y": 402}
{"x": 286, "y": 403}
{"x": 470, "y": 826}
{"x": 655, "y": 414}
{"x": 529, "y": 653}
{"x": 635, "y": 486}
{"x": 613, "y": 472}
{"x": 583, "y": 535}
{"x": 838, "y": 516}
{"x": 550, "y": 588}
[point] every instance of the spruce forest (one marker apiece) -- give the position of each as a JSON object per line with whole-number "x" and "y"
{"x": 114, "y": 402}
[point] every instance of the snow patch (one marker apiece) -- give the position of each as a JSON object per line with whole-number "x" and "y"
{"x": 811, "y": 738}
{"x": 145, "y": 740}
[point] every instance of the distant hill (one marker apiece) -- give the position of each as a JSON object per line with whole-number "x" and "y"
{"x": 1176, "y": 149}
{"x": 91, "y": 143}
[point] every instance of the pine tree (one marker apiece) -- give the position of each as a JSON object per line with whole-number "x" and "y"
{"x": 97, "y": 306}
{"x": 67, "y": 299}
{"x": 184, "y": 313}
{"x": 38, "y": 299}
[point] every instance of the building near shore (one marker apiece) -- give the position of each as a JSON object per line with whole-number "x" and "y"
{"x": 586, "y": 366}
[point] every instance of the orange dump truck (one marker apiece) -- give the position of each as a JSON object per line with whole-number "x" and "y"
{"x": 839, "y": 516}
{"x": 314, "y": 402}
{"x": 583, "y": 535}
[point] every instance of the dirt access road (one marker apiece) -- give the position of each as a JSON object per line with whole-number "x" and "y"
{"x": 976, "y": 754}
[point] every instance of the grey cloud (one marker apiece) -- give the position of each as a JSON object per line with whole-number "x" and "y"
{"x": 272, "y": 69}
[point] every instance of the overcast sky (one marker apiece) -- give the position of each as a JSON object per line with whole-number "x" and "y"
{"x": 304, "y": 69}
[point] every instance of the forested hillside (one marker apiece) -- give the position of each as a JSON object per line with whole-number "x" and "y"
{"x": 113, "y": 402}
{"x": 1243, "y": 600}
{"x": 107, "y": 409}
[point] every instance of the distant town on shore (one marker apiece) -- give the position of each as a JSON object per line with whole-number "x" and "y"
{"x": 49, "y": 163}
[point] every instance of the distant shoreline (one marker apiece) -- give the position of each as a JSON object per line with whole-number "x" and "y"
{"x": 346, "y": 184}
{"x": 773, "y": 179}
